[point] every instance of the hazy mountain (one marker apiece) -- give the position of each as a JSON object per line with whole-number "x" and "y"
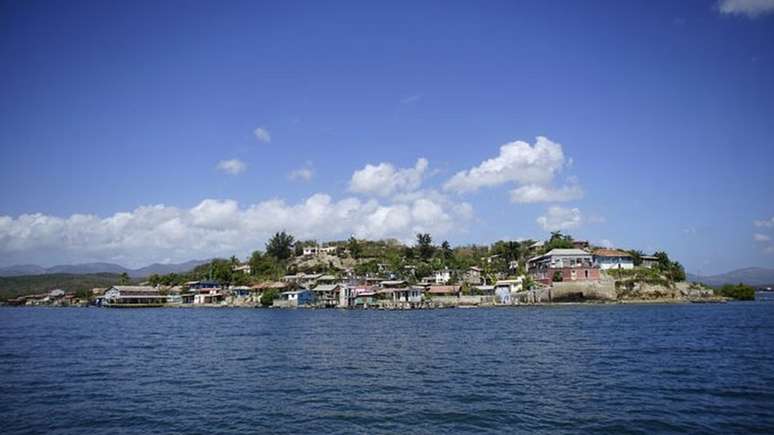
{"x": 90, "y": 268}
{"x": 754, "y": 276}
{"x": 22, "y": 269}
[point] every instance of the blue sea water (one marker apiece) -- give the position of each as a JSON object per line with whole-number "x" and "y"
{"x": 572, "y": 369}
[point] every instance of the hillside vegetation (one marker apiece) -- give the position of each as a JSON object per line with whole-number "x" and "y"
{"x": 11, "y": 287}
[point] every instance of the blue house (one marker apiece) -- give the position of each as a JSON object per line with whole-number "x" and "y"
{"x": 296, "y": 298}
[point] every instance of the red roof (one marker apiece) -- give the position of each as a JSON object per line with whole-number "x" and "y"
{"x": 611, "y": 253}
{"x": 443, "y": 289}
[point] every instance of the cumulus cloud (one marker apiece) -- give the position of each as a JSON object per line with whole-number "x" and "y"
{"x": 531, "y": 168}
{"x": 301, "y": 174}
{"x": 219, "y": 228}
{"x": 766, "y": 223}
{"x": 517, "y": 162}
{"x": 384, "y": 179}
{"x": 262, "y": 134}
{"x": 233, "y": 166}
{"x": 748, "y": 8}
{"x": 761, "y": 237}
{"x": 532, "y": 193}
{"x": 560, "y": 218}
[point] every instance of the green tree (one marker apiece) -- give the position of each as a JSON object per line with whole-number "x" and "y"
{"x": 355, "y": 250}
{"x": 124, "y": 278}
{"x": 425, "y": 246}
{"x": 279, "y": 246}
{"x": 446, "y": 252}
{"x": 267, "y": 298}
{"x": 559, "y": 241}
{"x": 740, "y": 292}
{"x": 154, "y": 279}
{"x": 636, "y": 256}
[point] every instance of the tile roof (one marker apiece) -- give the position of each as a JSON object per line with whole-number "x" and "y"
{"x": 611, "y": 253}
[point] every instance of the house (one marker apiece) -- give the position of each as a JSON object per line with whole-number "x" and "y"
{"x": 580, "y": 244}
{"x": 126, "y": 296}
{"x": 400, "y": 297}
{"x": 209, "y": 295}
{"x": 327, "y": 279}
{"x": 329, "y": 250}
{"x": 346, "y": 297}
{"x": 302, "y": 279}
{"x": 442, "y": 276}
{"x": 244, "y": 268}
{"x": 613, "y": 259}
{"x": 444, "y": 290}
{"x": 472, "y": 275}
{"x": 536, "y": 247}
{"x": 504, "y": 289}
{"x": 563, "y": 264}
{"x": 240, "y": 293}
{"x": 295, "y": 298}
{"x": 309, "y": 251}
{"x": 363, "y": 297}
{"x": 490, "y": 259}
{"x": 201, "y": 285}
{"x": 327, "y": 295}
{"x": 649, "y": 261}
{"x": 257, "y": 290}
{"x": 392, "y": 284}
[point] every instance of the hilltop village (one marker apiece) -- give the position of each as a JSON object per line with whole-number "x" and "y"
{"x": 390, "y": 275}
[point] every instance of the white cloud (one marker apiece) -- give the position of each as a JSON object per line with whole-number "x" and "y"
{"x": 262, "y": 134}
{"x": 605, "y": 243}
{"x": 384, "y": 179}
{"x": 560, "y": 218}
{"x": 761, "y": 237}
{"x": 518, "y": 162}
{"x": 766, "y": 223}
{"x": 301, "y": 174}
{"x": 749, "y": 8}
{"x": 531, "y": 168}
{"x": 532, "y": 193}
{"x": 233, "y": 166}
{"x": 220, "y": 228}
{"x": 411, "y": 99}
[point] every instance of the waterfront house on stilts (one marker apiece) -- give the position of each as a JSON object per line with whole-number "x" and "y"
{"x": 133, "y": 296}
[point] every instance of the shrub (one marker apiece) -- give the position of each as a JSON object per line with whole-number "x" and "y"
{"x": 739, "y": 292}
{"x": 267, "y": 298}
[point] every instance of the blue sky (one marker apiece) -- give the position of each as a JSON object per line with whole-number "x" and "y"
{"x": 128, "y": 130}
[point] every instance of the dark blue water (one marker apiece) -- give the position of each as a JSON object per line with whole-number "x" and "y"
{"x": 614, "y": 369}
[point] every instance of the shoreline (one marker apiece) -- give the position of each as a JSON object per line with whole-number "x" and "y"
{"x": 713, "y": 300}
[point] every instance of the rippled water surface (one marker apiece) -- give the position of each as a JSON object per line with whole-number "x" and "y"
{"x": 609, "y": 368}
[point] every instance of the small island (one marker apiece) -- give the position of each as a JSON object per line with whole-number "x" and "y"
{"x": 388, "y": 274}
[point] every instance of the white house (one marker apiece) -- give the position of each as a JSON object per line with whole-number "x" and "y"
{"x": 244, "y": 268}
{"x": 506, "y": 287}
{"x": 442, "y": 276}
{"x": 310, "y": 251}
{"x": 613, "y": 259}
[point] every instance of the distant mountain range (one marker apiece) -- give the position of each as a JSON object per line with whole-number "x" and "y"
{"x": 90, "y": 268}
{"x": 754, "y": 276}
